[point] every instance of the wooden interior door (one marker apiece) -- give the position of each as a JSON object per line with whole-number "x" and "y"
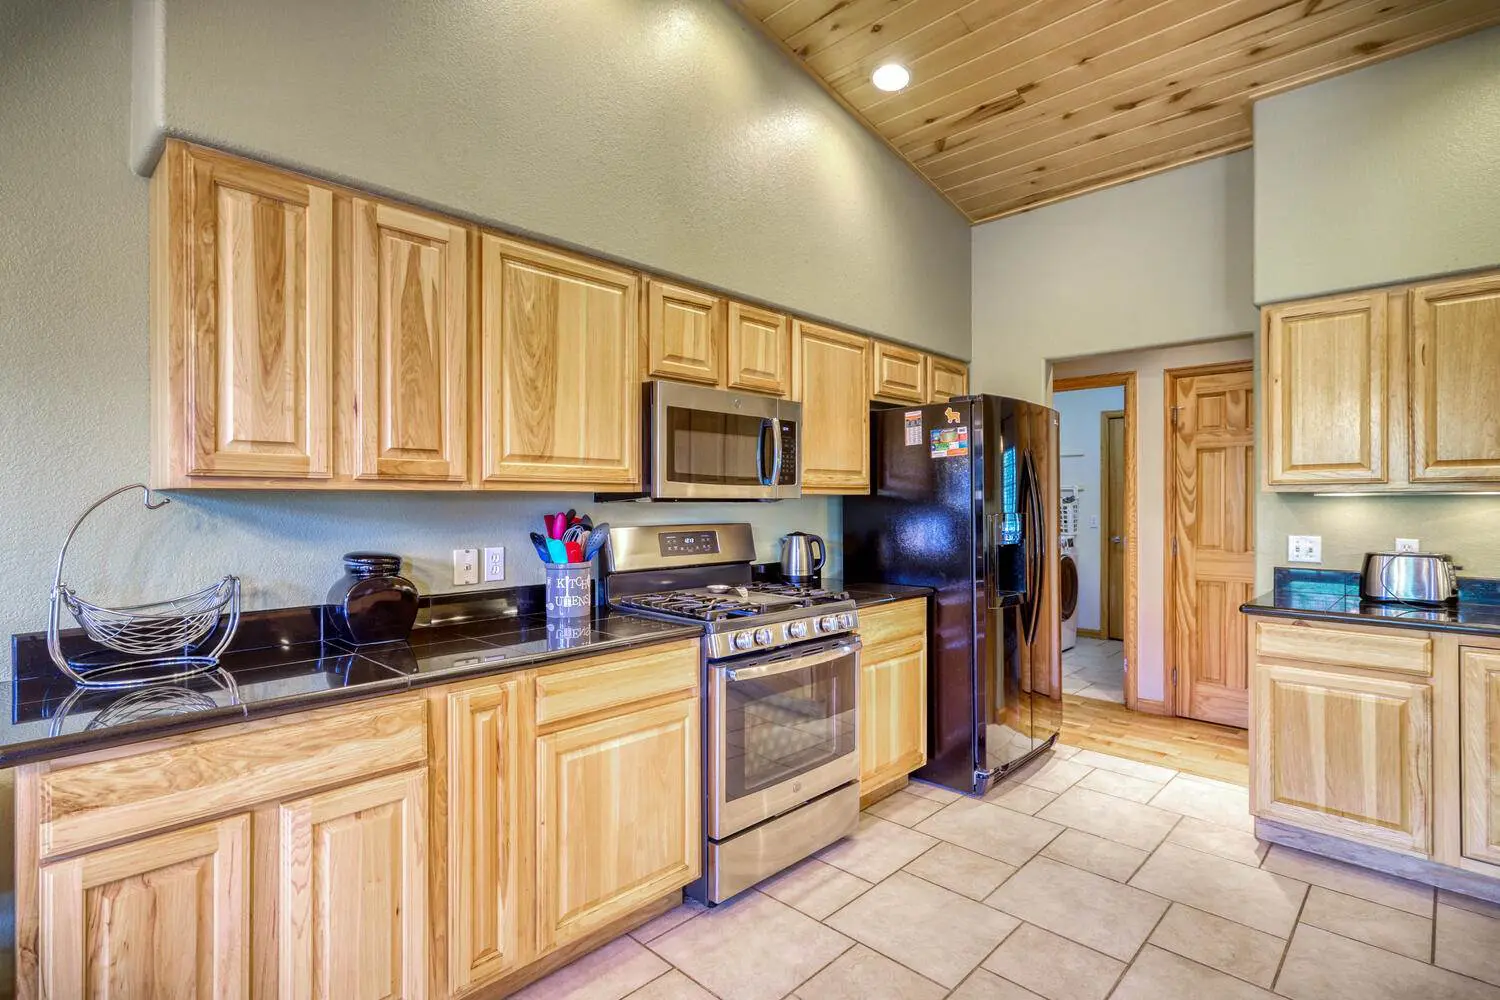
{"x": 1455, "y": 381}
{"x": 165, "y": 917}
{"x": 831, "y": 379}
{"x": 1212, "y": 507}
{"x": 1112, "y": 543}
{"x": 406, "y": 276}
{"x": 352, "y": 892}
{"x": 490, "y": 864}
{"x": 618, "y": 818}
{"x": 1480, "y": 708}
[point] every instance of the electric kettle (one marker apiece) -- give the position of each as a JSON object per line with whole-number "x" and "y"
{"x": 798, "y": 564}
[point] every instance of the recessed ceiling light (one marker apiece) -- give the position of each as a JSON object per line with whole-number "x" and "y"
{"x": 891, "y": 76}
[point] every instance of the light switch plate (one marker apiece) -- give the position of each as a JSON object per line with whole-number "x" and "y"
{"x": 1408, "y": 545}
{"x": 465, "y": 567}
{"x": 494, "y": 563}
{"x": 1304, "y": 548}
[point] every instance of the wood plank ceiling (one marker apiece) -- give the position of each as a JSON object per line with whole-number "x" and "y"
{"x": 1017, "y": 103}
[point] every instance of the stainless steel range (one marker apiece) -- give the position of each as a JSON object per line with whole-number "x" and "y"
{"x": 781, "y": 765}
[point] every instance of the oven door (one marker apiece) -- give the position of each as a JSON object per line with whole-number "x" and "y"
{"x": 781, "y": 731}
{"x": 708, "y": 444}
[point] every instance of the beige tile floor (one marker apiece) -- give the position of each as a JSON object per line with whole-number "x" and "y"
{"x": 1085, "y": 877}
{"x": 1095, "y": 668}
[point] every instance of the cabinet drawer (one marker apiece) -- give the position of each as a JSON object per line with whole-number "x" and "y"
{"x": 205, "y": 775}
{"x": 1408, "y": 652}
{"x": 886, "y": 623}
{"x": 604, "y": 682}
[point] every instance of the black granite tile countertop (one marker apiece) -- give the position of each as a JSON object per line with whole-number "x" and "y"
{"x": 866, "y": 594}
{"x": 49, "y": 717}
{"x": 1474, "y": 619}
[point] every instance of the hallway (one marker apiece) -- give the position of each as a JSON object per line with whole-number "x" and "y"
{"x": 1095, "y": 668}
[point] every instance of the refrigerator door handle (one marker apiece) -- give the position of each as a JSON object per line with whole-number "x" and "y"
{"x": 991, "y": 542}
{"x": 1036, "y": 549}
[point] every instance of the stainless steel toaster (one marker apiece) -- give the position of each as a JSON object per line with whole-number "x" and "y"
{"x": 1415, "y": 577}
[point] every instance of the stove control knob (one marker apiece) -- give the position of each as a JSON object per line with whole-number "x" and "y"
{"x": 828, "y": 623}
{"x": 846, "y": 620}
{"x": 797, "y": 630}
{"x": 744, "y": 640}
{"x": 762, "y": 637}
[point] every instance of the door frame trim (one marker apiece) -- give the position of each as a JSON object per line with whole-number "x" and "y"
{"x": 1106, "y": 497}
{"x": 1126, "y": 381}
{"x": 1170, "y": 377}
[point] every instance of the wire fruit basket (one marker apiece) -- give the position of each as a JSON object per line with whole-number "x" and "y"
{"x": 161, "y": 641}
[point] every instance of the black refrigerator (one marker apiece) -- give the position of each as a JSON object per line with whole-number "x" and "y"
{"x": 964, "y": 499}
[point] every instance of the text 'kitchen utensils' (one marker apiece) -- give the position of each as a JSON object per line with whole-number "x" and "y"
{"x": 567, "y": 552}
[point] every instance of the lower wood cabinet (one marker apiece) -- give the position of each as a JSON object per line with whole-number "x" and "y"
{"x": 164, "y": 916}
{"x": 892, "y": 692}
{"x": 1479, "y": 711}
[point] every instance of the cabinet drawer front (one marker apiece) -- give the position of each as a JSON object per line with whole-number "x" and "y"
{"x": 1407, "y": 652}
{"x": 886, "y": 623}
{"x": 113, "y": 799}
{"x": 604, "y": 682}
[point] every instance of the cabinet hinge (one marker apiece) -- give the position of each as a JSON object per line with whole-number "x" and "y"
{"x": 1174, "y": 546}
{"x": 1174, "y": 676}
{"x": 1174, "y": 415}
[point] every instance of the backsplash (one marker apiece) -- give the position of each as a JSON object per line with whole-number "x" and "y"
{"x": 1298, "y": 580}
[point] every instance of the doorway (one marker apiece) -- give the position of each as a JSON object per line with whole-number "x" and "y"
{"x": 1210, "y": 535}
{"x": 1097, "y": 444}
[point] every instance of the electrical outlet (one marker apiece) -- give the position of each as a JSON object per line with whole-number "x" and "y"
{"x": 494, "y": 563}
{"x": 1304, "y": 548}
{"x": 1408, "y": 545}
{"x": 465, "y": 567}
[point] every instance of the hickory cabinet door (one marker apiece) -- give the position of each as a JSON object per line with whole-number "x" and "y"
{"x": 404, "y": 294}
{"x": 165, "y": 917}
{"x": 892, "y": 710}
{"x": 1455, "y": 381}
{"x": 560, "y": 392}
{"x": 899, "y": 373}
{"x": 1325, "y": 374}
{"x": 352, "y": 892}
{"x": 246, "y": 288}
{"x": 1480, "y": 710}
{"x": 831, "y": 379}
{"x": 760, "y": 350}
{"x": 946, "y": 379}
{"x": 684, "y": 334}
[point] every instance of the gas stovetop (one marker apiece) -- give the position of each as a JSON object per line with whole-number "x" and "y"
{"x": 721, "y": 601}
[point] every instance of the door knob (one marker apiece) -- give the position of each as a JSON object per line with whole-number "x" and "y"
{"x": 1116, "y": 539}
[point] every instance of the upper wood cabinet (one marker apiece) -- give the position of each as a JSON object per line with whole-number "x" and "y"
{"x": 241, "y": 306}
{"x": 403, "y": 342}
{"x": 831, "y": 379}
{"x": 946, "y": 379}
{"x": 1325, "y": 388}
{"x": 684, "y": 334}
{"x": 1454, "y": 357}
{"x": 162, "y": 916}
{"x": 1479, "y": 701}
{"x": 898, "y": 374}
{"x": 560, "y": 397}
{"x": 760, "y": 350}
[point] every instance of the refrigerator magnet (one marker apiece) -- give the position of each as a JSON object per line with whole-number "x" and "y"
{"x": 913, "y": 424}
{"x": 949, "y": 442}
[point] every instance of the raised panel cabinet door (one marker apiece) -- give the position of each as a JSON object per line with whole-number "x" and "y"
{"x": 831, "y": 379}
{"x": 165, "y": 917}
{"x": 1325, "y": 374}
{"x": 892, "y": 710}
{"x": 946, "y": 379}
{"x": 352, "y": 891}
{"x": 406, "y": 278}
{"x": 560, "y": 383}
{"x": 1344, "y": 754}
{"x": 684, "y": 334}
{"x": 243, "y": 273}
{"x": 490, "y": 862}
{"x": 619, "y": 817}
{"x": 760, "y": 350}
{"x": 898, "y": 374}
{"x": 1479, "y": 710}
{"x": 1455, "y": 381}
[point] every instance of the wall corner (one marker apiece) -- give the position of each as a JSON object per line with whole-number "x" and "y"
{"x": 148, "y": 84}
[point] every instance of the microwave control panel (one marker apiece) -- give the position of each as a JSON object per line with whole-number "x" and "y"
{"x": 787, "y": 474}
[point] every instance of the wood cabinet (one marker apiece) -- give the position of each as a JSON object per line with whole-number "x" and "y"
{"x": 898, "y": 374}
{"x": 164, "y": 916}
{"x": 352, "y": 891}
{"x": 831, "y": 379}
{"x": 892, "y": 693}
{"x": 760, "y": 350}
{"x": 685, "y": 336}
{"x": 241, "y": 308}
{"x": 1454, "y": 359}
{"x": 560, "y": 403}
{"x": 946, "y": 379}
{"x": 1325, "y": 388}
{"x": 618, "y": 818}
{"x": 1479, "y": 701}
{"x": 403, "y": 336}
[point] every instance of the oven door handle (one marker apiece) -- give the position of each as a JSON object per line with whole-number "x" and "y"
{"x": 774, "y": 667}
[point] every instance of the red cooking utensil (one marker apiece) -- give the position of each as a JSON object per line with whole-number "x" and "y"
{"x": 575, "y": 552}
{"x": 556, "y": 524}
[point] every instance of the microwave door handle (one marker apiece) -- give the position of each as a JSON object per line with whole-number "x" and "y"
{"x": 775, "y": 476}
{"x": 760, "y": 451}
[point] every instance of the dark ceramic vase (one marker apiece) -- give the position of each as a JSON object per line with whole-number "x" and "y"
{"x": 372, "y": 601}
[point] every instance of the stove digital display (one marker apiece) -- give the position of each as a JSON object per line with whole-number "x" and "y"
{"x": 688, "y": 543}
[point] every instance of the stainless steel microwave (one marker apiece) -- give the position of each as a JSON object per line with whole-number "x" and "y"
{"x": 712, "y": 444}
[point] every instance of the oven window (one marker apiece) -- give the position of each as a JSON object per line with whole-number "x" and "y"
{"x": 712, "y": 448}
{"x": 783, "y": 725}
